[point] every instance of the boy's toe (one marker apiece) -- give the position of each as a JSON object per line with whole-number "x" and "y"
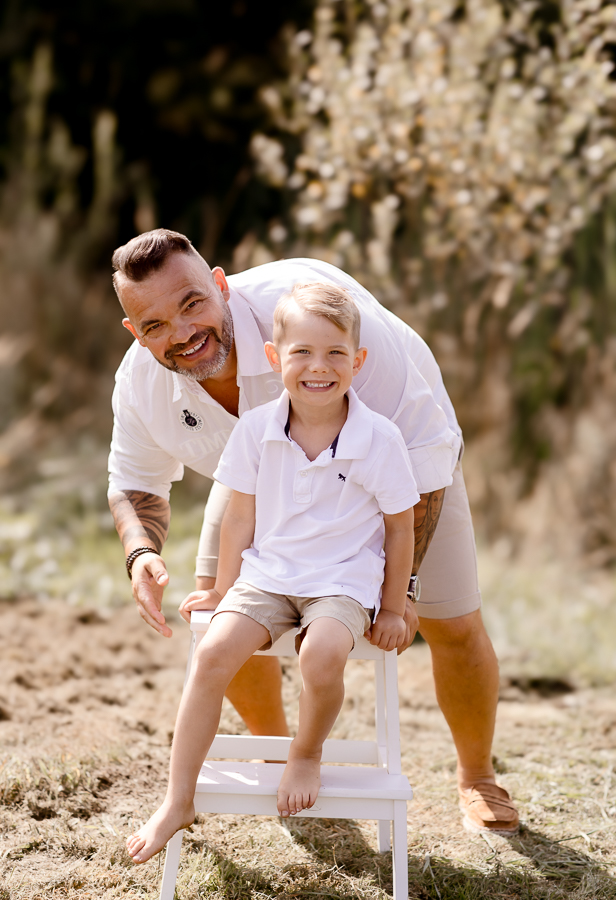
{"x": 134, "y": 844}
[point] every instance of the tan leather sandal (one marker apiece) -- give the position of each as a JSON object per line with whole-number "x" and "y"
{"x": 488, "y": 809}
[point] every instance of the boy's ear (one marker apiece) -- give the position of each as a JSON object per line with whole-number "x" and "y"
{"x": 272, "y": 356}
{"x": 359, "y": 359}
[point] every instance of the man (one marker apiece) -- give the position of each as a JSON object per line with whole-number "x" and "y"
{"x": 197, "y": 364}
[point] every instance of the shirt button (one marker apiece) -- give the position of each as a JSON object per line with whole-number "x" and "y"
{"x": 303, "y": 474}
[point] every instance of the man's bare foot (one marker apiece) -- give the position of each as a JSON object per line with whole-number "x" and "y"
{"x": 151, "y": 839}
{"x": 299, "y": 785}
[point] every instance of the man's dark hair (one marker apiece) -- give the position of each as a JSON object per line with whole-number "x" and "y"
{"x": 147, "y": 253}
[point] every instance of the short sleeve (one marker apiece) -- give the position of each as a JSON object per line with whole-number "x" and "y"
{"x": 390, "y": 479}
{"x": 136, "y": 462}
{"x": 239, "y": 463}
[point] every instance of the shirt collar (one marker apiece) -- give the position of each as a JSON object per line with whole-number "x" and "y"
{"x": 251, "y": 358}
{"x": 354, "y": 439}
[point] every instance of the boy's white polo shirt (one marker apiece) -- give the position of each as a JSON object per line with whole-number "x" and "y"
{"x": 319, "y": 527}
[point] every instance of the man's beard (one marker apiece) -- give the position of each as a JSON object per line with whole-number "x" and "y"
{"x": 208, "y": 367}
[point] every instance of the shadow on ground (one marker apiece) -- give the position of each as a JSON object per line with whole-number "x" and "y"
{"x": 543, "y": 868}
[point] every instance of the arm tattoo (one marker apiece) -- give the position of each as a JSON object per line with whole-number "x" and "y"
{"x": 427, "y": 513}
{"x": 140, "y": 518}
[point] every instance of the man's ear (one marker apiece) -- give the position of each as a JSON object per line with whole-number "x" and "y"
{"x": 359, "y": 359}
{"x": 221, "y": 280}
{"x": 130, "y": 327}
{"x": 272, "y": 356}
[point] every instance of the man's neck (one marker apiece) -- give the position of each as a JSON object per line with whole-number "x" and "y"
{"x": 223, "y": 387}
{"x": 315, "y": 428}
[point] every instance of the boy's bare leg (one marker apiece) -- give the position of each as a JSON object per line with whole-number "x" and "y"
{"x": 231, "y": 639}
{"x": 256, "y": 690}
{"x": 322, "y": 658}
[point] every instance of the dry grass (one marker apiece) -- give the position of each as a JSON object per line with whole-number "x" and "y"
{"x": 85, "y": 728}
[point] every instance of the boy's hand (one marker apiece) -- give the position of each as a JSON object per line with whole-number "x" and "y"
{"x": 388, "y": 631}
{"x": 199, "y": 600}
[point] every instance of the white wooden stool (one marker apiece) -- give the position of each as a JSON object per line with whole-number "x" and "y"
{"x": 347, "y": 792}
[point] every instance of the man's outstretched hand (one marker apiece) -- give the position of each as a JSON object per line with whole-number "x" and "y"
{"x": 150, "y": 578}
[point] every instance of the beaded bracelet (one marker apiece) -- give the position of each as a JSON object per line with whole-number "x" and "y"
{"x": 130, "y": 559}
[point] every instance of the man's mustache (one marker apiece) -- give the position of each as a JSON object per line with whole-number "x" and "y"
{"x": 196, "y": 339}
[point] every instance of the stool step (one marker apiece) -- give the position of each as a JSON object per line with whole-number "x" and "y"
{"x": 336, "y": 781}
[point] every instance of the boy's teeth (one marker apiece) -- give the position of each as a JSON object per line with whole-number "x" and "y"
{"x": 317, "y": 384}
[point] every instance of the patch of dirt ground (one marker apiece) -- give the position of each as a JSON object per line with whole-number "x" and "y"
{"x": 87, "y": 706}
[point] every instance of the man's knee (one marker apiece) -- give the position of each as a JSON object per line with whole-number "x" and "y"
{"x": 455, "y": 633}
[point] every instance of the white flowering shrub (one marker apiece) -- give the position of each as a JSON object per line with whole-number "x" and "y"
{"x": 472, "y": 132}
{"x": 451, "y": 156}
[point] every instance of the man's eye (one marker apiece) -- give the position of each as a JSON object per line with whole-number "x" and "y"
{"x": 152, "y": 328}
{"x": 194, "y": 303}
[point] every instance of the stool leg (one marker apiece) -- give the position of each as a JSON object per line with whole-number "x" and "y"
{"x": 400, "y": 852}
{"x": 384, "y": 835}
{"x": 172, "y": 862}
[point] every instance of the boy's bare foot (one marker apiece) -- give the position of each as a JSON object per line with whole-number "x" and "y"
{"x": 299, "y": 785}
{"x": 151, "y": 839}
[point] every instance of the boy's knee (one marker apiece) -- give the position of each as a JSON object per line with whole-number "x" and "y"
{"x": 323, "y": 660}
{"x": 212, "y": 660}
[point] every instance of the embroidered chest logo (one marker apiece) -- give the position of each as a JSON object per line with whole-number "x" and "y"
{"x": 341, "y": 476}
{"x": 191, "y": 421}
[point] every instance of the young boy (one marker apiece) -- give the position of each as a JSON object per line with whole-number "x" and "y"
{"x": 319, "y": 483}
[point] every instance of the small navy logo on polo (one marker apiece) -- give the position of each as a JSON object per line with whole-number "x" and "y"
{"x": 191, "y": 421}
{"x": 341, "y": 476}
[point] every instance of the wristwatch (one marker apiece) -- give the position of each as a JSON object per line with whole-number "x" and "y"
{"x": 414, "y": 591}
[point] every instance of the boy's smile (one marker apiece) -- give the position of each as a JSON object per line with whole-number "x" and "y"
{"x": 317, "y": 359}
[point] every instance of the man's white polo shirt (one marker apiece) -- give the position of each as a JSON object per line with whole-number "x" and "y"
{"x": 319, "y": 530}
{"x": 164, "y": 421}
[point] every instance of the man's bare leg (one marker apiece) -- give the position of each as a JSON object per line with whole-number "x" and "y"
{"x": 466, "y": 679}
{"x": 322, "y": 658}
{"x": 255, "y": 692}
{"x": 231, "y": 639}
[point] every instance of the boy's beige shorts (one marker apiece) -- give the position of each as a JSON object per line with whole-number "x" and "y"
{"x": 449, "y": 582}
{"x": 280, "y": 612}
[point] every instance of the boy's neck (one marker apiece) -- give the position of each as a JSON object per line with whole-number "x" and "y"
{"x": 315, "y": 428}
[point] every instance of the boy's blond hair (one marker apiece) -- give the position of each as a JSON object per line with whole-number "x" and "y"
{"x": 327, "y": 300}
